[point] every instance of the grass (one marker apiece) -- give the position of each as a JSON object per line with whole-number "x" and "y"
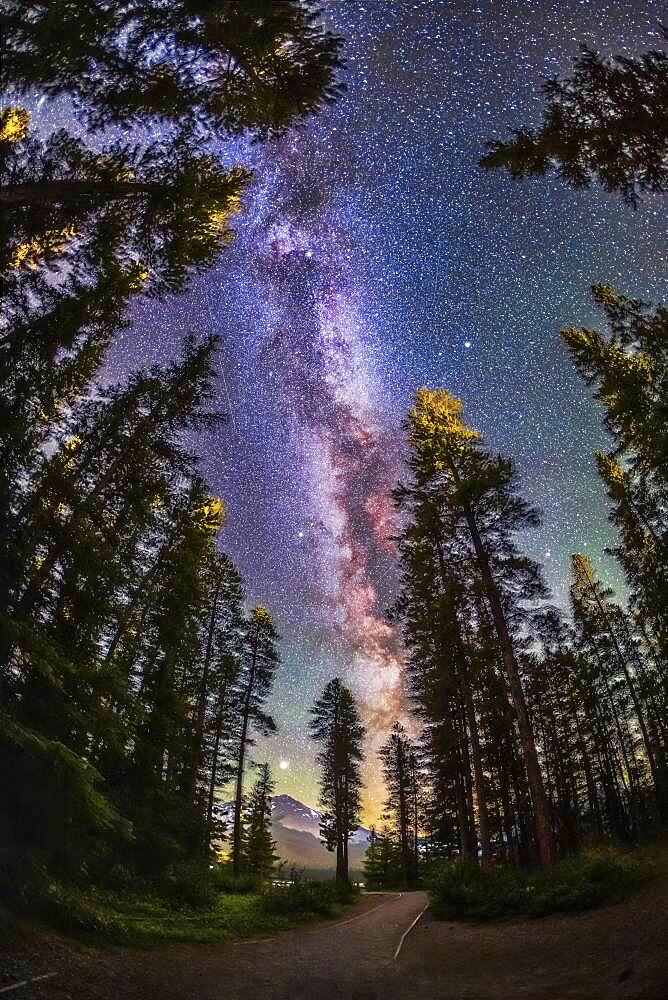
{"x": 142, "y": 919}
{"x": 590, "y": 879}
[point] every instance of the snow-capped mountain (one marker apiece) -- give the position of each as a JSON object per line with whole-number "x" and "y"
{"x": 296, "y": 829}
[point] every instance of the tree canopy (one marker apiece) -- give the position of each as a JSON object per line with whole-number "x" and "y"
{"x": 607, "y": 122}
{"x": 229, "y": 65}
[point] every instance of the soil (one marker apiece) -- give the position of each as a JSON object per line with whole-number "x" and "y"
{"x": 616, "y": 953}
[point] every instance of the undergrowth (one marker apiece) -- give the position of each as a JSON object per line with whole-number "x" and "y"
{"x": 587, "y": 880}
{"x": 185, "y": 905}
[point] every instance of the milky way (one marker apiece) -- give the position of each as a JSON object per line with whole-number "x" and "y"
{"x": 373, "y": 257}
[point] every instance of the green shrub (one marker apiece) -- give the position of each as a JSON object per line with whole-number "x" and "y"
{"x": 237, "y": 884}
{"x": 468, "y": 891}
{"x": 465, "y": 890}
{"x": 303, "y": 896}
{"x": 586, "y": 881}
{"x": 191, "y": 883}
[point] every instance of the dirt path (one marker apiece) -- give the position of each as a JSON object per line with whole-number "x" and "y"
{"x": 611, "y": 954}
{"x": 617, "y": 953}
{"x": 329, "y": 960}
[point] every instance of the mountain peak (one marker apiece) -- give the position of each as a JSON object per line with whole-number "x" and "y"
{"x": 296, "y": 829}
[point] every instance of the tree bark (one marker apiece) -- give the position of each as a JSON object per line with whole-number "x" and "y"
{"x": 201, "y": 700}
{"x": 214, "y": 761}
{"x": 51, "y": 192}
{"x": 541, "y": 810}
{"x": 236, "y": 837}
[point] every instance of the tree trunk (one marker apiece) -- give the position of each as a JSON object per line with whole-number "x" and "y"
{"x": 201, "y": 700}
{"x": 51, "y": 192}
{"x": 470, "y": 718}
{"x": 214, "y": 761}
{"x": 478, "y": 774}
{"x": 541, "y": 810}
{"x": 236, "y": 836}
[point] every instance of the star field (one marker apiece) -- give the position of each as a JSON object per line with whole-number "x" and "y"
{"x": 374, "y": 256}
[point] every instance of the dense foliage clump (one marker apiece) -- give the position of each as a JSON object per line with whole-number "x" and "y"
{"x": 592, "y": 878}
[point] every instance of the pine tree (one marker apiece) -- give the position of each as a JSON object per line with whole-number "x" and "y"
{"x": 259, "y": 661}
{"x": 54, "y": 340}
{"x": 630, "y": 371}
{"x": 162, "y": 209}
{"x": 255, "y": 66}
{"x": 336, "y": 726}
{"x": 476, "y": 493}
{"x": 398, "y": 758}
{"x": 642, "y": 549}
{"x": 606, "y": 630}
{"x": 382, "y": 861}
{"x": 259, "y": 857}
{"x": 608, "y": 121}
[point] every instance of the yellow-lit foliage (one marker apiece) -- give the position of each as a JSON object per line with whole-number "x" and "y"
{"x": 612, "y": 474}
{"x": 138, "y": 276}
{"x": 68, "y": 449}
{"x": 50, "y": 244}
{"x": 210, "y": 516}
{"x": 14, "y": 124}
{"x": 220, "y": 214}
{"x": 436, "y": 426}
{"x": 583, "y": 574}
{"x": 261, "y": 617}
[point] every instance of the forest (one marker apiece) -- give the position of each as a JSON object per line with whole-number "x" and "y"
{"x": 134, "y": 674}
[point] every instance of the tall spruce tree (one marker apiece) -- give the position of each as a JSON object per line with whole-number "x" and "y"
{"x": 337, "y": 728}
{"x": 398, "y": 757}
{"x": 259, "y": 854}
{"x": 475, "y": 497}
{"x": 163, "y": 209}
{"x": 256, "y": 675}
{"x": 629, "y": 368}
{"x": 608, "y": 121}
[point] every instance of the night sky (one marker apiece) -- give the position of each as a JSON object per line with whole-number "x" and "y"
{"x": 374, "y": 257}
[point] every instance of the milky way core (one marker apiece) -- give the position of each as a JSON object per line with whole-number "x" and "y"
{"x": 374, "y": 256}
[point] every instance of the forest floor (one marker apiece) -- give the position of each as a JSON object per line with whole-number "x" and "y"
{"x": 616, "y": 953}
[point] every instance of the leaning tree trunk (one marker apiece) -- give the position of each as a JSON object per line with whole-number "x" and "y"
{"x": 236, "y": 835}
{"x": 214, "y": 761}
{"x": 541, "y": 809}
{"x": 478, "y": 776}
{"x": 202, "y": 696}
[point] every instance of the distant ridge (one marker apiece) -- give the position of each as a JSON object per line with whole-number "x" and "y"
{"x": 296, "y": 829}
